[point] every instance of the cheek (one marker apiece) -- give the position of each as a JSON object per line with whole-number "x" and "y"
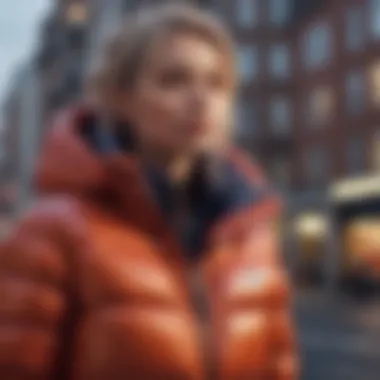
{"x": 155, "y": 117}
{"x": 221, "y": 113}
{"x": 222, "y": 116}
{"x": 157, "y": 112}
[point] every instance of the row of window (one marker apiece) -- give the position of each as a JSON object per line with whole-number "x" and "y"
{"x": 318, "y": 41}
{"x": 316, "y": 44}
{"x": 248, "y": 13}
{"x": 319, "y": 104}
{"x": 279, "y": 11}
{"x": 278, "y": 61}
{"x": 361, "y": 88}
{"x": 280, "y": 117}
{"x": 317, "y": 53}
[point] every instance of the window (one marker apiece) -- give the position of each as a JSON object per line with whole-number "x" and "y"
{"x": 317, "y": 46}
{"x": 248, "y": 62}
{"x": 355, "y": 28}
{"x": 247, "y": 12}
{"x": 355, "y": 92}
{"x": 320, "y": 106}
{"x": 279, "y": 12}
{"x": 375, "y": 18}
{"x": 279, "y": 61}
{"x": 374, "y": 81}
{"x": 317, "y": 164}
{"x": 280, "y": 114}
{"x": 356, "y": 154}
{"x": 246, "y": 119}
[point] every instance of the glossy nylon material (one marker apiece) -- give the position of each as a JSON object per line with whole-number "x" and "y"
{"x": 94, "y": 242}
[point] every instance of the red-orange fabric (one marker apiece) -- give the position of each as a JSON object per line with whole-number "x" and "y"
{"x": 94, "y": 286}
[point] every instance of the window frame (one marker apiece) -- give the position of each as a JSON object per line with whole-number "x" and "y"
{"x": 314, "y": 117}
{"x": 274, "y": 49}
{"x": 273, "y": 12}
{"x": 374, "y": 21}
{"x": 247, "y": 13}
{"x": 317, "y": 34}
{"x": 248, "y": 76}
{"x": 373, "y": 87}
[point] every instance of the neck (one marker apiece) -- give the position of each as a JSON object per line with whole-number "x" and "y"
{"x": 178, "y": 168}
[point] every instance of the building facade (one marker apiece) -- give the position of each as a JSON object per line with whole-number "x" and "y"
{"x": 336, "y": 118}
{"x": 308, "y": 107}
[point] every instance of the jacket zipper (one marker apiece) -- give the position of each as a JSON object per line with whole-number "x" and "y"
{"x": 201, "y": 307}
{"x": 197, "y": 292}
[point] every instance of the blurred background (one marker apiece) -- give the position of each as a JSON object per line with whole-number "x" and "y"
{"x": 308, "y": 110}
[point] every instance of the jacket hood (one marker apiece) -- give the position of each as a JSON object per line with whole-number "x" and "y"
{"x": 67, "y": 162}
{"x": 71, "y": 164}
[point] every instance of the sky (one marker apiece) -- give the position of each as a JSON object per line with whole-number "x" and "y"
{"x": 19, "y": 27}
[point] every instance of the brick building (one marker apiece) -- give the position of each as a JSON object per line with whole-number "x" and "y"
{"x": 308, "y": 106}
{"x": 336, "y": 119}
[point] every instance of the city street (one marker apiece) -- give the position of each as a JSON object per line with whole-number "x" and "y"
{"x": 339, "y": 340}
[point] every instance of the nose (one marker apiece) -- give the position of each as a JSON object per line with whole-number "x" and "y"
{"x": 200, "y": 99}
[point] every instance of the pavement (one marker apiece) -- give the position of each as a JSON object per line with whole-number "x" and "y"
{"x": 339, "y": 339}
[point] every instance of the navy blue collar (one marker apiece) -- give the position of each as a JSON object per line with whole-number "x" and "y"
{"x": 207, "y": 200}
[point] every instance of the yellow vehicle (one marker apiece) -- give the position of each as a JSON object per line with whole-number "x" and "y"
{"x": 356, "y": 207}
{"x": 361, "y": 241}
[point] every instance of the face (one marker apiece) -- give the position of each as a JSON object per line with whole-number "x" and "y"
{"x": 181, "y": 101}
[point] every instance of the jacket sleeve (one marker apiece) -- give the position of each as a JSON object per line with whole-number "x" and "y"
{"x": 286, "y": 366}
{"x": 33, "y": 301}
{"x": 277, "y": 293}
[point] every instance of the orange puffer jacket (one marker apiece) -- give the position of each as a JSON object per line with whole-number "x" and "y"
{"x": 95, "y": 286}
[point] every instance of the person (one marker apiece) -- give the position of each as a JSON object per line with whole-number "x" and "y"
{"x": 151, "y": 250}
